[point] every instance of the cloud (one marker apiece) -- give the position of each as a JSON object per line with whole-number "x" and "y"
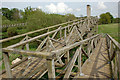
{"x": 59, "y": 8}
{"x": 101, "y": 5}
{"x": 78, "y": 9}
{"x": 40, "y": 7}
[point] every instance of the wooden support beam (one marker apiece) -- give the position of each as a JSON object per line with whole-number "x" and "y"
{"x": 67, "y": 74}
{"x": 14, "y": 37}
{"x": 56, "y": 32}
{"x": 36, "y": 39}
{"x": 52, "y": 46}
{"x": 79, "y": 61}
{"x": 92, "y": 44}
{"x": 58, "y": 65}
{"x": 79, "y": 33}
{"x": 65, "y": 33}
{"x": 67, "y": 55}
{"x": 115, "y": 68}
{"x": 66, "y": 48}
{"x": 32, "y": 39}
{"x": 58, "y": 41}
{"x": 114, "y": 41}
{"x": 84, "y": 53}
{"x": 60, "y": 33}
{"x": 51, "y": 69}
{"x": 118, "y": 59}
{"x": 7, "y": 65}
{"x": 29, "y": 53}
{"x": 27, "y": 45}
{"x": 89, "y": 48}
{"x": 41, "y": 44}
{"x": 70, "y": 34}
{"x": 72, "y": 73}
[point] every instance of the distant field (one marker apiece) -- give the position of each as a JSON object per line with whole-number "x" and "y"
{"x": 111, "y": 29}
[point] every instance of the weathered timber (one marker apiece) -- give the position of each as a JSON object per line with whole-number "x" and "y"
{"x": 7, "y": 39}
{"x": 7, "y": 65}
{"x": 30, "y": 53}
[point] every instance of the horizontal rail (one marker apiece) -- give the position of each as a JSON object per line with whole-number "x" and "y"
{"x": 17, "y": 36}
{"x": 29, "y": 53}
{"x": 34, "y": 38}
{"x": 14, "y": 37}
{"x": 66, "y": 48}
{"x": 47, "y": 54}
{"x": 13, "y": 25}
{"x": 114, "y": 41}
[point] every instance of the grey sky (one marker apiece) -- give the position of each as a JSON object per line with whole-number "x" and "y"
{"x": 77, "y": 8}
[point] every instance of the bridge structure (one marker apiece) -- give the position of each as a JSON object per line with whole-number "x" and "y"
{"x": 69, "y": 50}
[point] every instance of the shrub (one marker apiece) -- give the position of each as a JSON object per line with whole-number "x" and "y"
{"x": 4, "y": 29}
{"x": 12, "y": 31}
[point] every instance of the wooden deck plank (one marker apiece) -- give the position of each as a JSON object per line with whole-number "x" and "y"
{"x": 97, "y": 66}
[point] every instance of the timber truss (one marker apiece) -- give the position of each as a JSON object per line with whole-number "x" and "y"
{"x": 60, "y": 50}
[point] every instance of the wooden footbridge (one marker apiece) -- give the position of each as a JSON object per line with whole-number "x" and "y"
{"x": 68, "y": 50}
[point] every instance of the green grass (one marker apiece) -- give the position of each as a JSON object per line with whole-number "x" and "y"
{"x": 111, "y": 29}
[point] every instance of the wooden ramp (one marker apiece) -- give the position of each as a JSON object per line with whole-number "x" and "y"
{"x": 97, "y": 66}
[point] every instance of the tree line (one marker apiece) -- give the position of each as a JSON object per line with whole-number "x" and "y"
{"x": 107, "y": 18}
{"x": 35, "y": 18}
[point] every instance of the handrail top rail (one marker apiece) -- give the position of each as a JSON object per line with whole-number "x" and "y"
{"x": 36, "y": 37}
{"x": 114, "y": 41}
{"x": 31, "y": 32}
{"x": 47, "y": 55}
{"x": 61, "y": 50}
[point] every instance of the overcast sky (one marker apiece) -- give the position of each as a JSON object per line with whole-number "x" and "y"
{"x": 75, "y": 7}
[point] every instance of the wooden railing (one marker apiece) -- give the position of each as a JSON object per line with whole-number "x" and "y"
{"x": 114, "y": 55}
{"x": 81, "y": 22}
{"x": 61, "y": 34}
{"x": 14, "y": 25}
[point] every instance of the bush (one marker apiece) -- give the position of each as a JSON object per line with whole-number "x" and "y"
{"x": 4, "y": 29}
{"x": 12, "y": 31}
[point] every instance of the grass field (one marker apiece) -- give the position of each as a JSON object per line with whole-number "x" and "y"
{"x": 111, "y": 29}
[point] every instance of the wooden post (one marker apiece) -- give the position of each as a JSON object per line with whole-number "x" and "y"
{"x": 7, "y": 65}
{"x": 60, "y": 33}
{"x": 79, "y": 60}
{"x": 118, "y": 62}
{"x": 115, "y": 69}
{"x": 111, "y": 49}
{"x": 27, "y": 45}
{"x": 68, "y": 57}
{"x": 51, "y": 68}
{"x": 65, "y": 33}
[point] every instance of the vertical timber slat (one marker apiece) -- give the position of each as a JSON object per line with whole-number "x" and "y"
{"x": 51, "y": 68}
{"x": 7, "y": 65}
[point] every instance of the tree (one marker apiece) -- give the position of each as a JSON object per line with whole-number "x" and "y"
{"x": 105, "y": 18}
{"x": 70, "y": 17}
{"x": 7, "y": 13}
{"x": 15, "y": 14}
{"x": 28, "y": 11}
{"x": 116, "y": 20}
{"x": 111, "y": 17}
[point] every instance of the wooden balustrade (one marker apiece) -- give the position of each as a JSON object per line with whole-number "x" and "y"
{"x": 70, "y": 36}
{"x": 114, "y": 55}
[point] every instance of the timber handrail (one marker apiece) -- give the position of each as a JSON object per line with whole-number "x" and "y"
{"x": 114, "y": 56}
{"x": 29, "y": 53}
{"x": 47, "y": 50}
{"x": 31, "y": 32}
{"x": 114, "y": 41}
{"x": 14, "y": 37}
{"x": 34, "y": 38}
{"x": 48, "y": 54}
{"x": 66, "y": 48}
